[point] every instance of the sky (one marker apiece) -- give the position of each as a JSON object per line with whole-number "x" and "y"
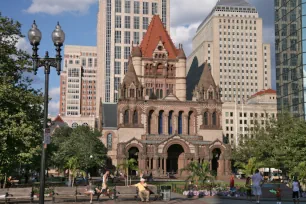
{"x": 78, "y": 19}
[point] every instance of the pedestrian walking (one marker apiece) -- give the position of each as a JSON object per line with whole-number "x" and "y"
{"x": 257, "y": 181}
{"x": 248, "y": 187}
{"x": 296, "y": 190}
{"x": 278, "y": 195}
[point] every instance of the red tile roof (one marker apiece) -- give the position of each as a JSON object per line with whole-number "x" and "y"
{"x": 58, "y": 119}
{"x": 267, "y": 91}
{"x": 157, "y": 32}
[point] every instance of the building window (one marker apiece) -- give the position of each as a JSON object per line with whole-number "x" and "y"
{"x": 214, "y": 118}
{"x": 127, "y": 22}
{"x": 117, "y": 36}
{"x": 136, "y": 7}
{"x": 116, "y": 83}
{"x": 126, "y": 117}
{"x": 145, "y": 23}
{"x": 127, "y": 37}
{"x": 118, "y": 22}
{"x": 127, "y": 6}
{"x": 136, "y": 38}
{"x": 126, "y": 64}
{"x": 154, "y": 8}
{"x": 164, "y": 12}
{"x": 118, "y": 6}
{"x": 145, "y": 7}
{"x": 109, "y": 141}
{"x": 74, "y": 125}
{"x": 160, "y": 122}
{"x": 117, "y": 52}
{"x": 135, "y": 118}
{"x": 180, "y": 123}
{"x": 205, "y": 118}
{"x": 126, "y": 52}
{"x": 117, "y": 67}
{"x": 150, "y": 121}
{"x": 136, "y": 22}
{"x": 83, "y": 62}
{"x": 170, "y": 123}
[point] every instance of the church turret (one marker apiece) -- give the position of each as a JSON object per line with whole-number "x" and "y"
{"x": 181, "y": 74}
{"x": 131, "y": 88}
{"x": 137, "y": 60}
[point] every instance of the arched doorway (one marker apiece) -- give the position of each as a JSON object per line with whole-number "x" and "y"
{"x": 174, "y": 160}
{"x": 133, "y": 154}
{"x": 214, "y": 161}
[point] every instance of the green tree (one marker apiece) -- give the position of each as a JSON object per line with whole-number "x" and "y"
{"x": 20, "y": 105}
{"x": 128, "y": 164}
{"x": 81, "y": 146}
{"x": 300, "y": 172}
{"x": 198, "y": 172}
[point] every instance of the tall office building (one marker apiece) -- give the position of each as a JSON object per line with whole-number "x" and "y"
{"x": 230, "y": 39}
{"x": 78, "y": 85}
{"x": 290, "y": 41}
{"x": 121, "y": 22}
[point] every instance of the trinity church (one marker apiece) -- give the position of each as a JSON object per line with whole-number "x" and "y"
{"x": 154, "y": 122}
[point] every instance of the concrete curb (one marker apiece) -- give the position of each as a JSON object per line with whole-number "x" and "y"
{"x": 262, "y": 199}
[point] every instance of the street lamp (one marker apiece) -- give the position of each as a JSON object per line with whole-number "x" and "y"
{"x": 58, "y": 38}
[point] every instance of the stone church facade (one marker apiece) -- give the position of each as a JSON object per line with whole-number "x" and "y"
{"x": 156, "y": 124}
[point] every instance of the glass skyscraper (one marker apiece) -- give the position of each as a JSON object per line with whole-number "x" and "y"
{"x": 290, "y": 46}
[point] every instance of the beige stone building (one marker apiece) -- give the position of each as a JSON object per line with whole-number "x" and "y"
{"x": 121, "y": 22}
{"x": 230, "y": 39}
{"x": 78, "y": 83}
{"x": 155, "y": 124}
{"x": 239, "y": 120}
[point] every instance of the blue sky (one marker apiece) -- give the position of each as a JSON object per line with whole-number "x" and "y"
{"x": 78, "y": 19}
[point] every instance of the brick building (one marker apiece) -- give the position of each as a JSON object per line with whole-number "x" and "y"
{"x": 155, "y": 124}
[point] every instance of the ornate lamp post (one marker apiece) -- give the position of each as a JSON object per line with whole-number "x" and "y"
{"x": 58, "y": 38}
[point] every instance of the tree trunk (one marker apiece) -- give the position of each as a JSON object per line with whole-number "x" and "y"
{"x": 4, "y": 184}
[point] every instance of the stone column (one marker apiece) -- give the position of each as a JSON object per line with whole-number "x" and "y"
{"x": 165, "y": 165}
{"x": 155, "y": 163}
{"x": 175, "y": 124}
{"x": 165, "y": 125}
{"x": 150, "y": 167}
{"x": 220, "y": 167}
{"x": 227, "y": 167}
{"x": 185, "y": 125}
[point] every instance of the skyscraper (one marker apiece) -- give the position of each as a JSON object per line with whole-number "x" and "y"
{"x": 290, "y": 41}
{"x": 78, "y": 83}
{"x": 230, "y": 40}
{"x": 121, "y": 22}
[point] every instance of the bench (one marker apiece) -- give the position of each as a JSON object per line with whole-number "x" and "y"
{"x": 64, "y": 192}
{"x": 3, "y": 195}
{"x": 126, "y": 191}
{"x": 154, "y": 192}
{"x": 81, "y": 193}
{"x": 20, "y": 194}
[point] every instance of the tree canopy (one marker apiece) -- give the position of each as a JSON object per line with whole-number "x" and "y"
{"x": 278, "y": 144}
{"x": 81, "y": 143}
{"x": 20, "y": 105}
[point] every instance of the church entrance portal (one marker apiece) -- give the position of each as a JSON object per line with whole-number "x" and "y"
{"x": 133, "y": 154}
{"x": 175, "y": 159}
{"x": 214, "y": 162}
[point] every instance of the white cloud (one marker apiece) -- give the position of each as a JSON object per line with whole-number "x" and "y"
{"x": 24, "y": 45}
{"x": 185, "y": 12}
{"x": 54, "y": 104}
{"x": 54, "y": 7}
{"x": 184, "y": 35}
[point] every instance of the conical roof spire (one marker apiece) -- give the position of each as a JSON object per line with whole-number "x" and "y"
{"x": 206, "y": 79}
{"x": 130, "y": 75}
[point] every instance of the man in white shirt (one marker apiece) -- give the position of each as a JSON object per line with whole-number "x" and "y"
{"x": 257, "y": 181}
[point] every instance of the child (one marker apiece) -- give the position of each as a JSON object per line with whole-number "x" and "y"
{"x": 248, "y": 188}
{"x": 278, "y": 195}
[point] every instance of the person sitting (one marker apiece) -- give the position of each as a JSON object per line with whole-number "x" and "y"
{"x": 89, "y": 191}
{"x": 104, "y": 190}
{"x": 142, "y": 190}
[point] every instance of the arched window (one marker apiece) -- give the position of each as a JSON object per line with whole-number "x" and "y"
{"x": 205, "y": 118}
{"x": 132, "y": 93}
{"x": 109, "y": 141}
{"x": 180, "y": 123}
{"x": 214, "y": 118}
{"x": 161, "y": 93}
{"x": 170, "y": 123}
{"x": 74, "y": 125}
{"x": 210, "y": 95}
{"x": 126, "y": 117}
{"x": 160, "y": 122}
{"x": 135, "y": 118}
{"x": 157, "y": 93}
{"x": 189, "y": 122}
{"x": 150, "y": 121}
